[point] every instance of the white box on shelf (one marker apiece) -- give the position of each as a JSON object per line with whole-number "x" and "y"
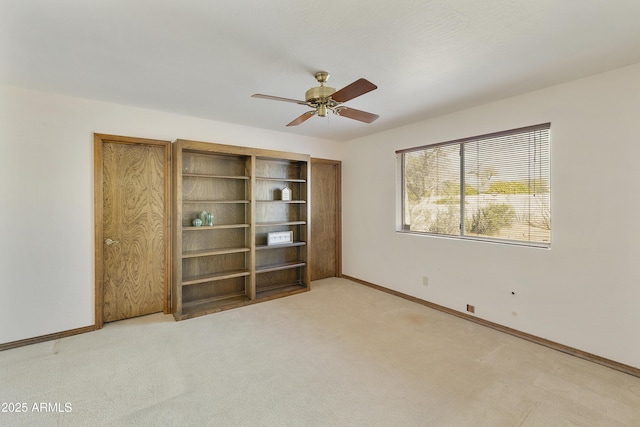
{"x": 279, "y": 237}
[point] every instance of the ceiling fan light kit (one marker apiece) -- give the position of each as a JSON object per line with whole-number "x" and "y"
{"x": 324, "y": 99}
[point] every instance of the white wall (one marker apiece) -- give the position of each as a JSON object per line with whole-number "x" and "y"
{"x": 584, "y": 292}
{"x": 46, "y": 197}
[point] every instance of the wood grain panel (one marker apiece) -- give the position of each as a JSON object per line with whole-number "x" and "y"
{"x": 223, "y": 213}
{"x": 272, "y": 168}
{"x": 272, "y": 190}
{"x": 266, "y": 281}
{"x": 198, "y": 188}
{"x": 281, "y": 212}
{"x": 325, "y": 210}
{"x": 198, "y": 240}
{"x": 211, "y": 164}
{"x": 215, "y": 289}
{"x": 277, "y": 255}
{"x": 197, "y": 266}
{"x": 135, "y": 271}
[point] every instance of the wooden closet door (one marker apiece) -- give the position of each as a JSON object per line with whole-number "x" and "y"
{"x": 135, "y": 238}
{"x": 326, "y": 232}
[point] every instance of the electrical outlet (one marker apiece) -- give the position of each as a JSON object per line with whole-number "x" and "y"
{"x": 425, "y": 280}
{"x": 471, "y": 309}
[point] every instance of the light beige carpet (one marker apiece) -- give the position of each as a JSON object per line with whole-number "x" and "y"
{"x": 340, "y": 355}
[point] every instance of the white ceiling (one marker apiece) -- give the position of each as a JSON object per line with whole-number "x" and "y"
{"x": 206, "y": 58}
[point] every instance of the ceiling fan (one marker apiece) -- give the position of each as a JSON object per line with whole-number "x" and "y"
{"x": 324, "y": 99}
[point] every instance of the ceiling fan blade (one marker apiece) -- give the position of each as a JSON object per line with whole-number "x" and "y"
{"x": 304, "y": 117}
{"x": 355, "y": 89}
{"x": 354, "y": 114}
{"x": 278, "y": 98}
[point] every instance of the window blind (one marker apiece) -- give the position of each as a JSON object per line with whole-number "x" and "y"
{"x": 494, "y": 187}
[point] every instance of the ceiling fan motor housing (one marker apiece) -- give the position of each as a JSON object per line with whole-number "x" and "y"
{"x": 319, "y": 97}
{"x": 318, "y": 94}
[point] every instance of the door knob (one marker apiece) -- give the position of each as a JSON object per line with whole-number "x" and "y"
{"x": 110, "y": 242}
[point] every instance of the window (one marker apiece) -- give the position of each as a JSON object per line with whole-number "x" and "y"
{"x": 492, "y": 187}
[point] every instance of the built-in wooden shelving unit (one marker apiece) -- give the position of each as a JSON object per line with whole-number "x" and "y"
{"x": 229, "y": 264}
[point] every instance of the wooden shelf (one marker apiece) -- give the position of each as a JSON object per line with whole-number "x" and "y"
{"x": 214, "y": 201}
{"x": 208, "y": 301}
{"x": 282, "y": 201}
{"x": 262, "y": 178}
{"x": 214, "y": 227}
{"x": 212, "y": 305}
{"x": 212, "y": 252}
{"x": 285, "y": 245}
{"x": 278, "y": 267}
{"x": 204, "y": 175}
{"x": 271, "y": 224}
{"x": 268, "y": 292}
{"x": 214, "y": 276}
